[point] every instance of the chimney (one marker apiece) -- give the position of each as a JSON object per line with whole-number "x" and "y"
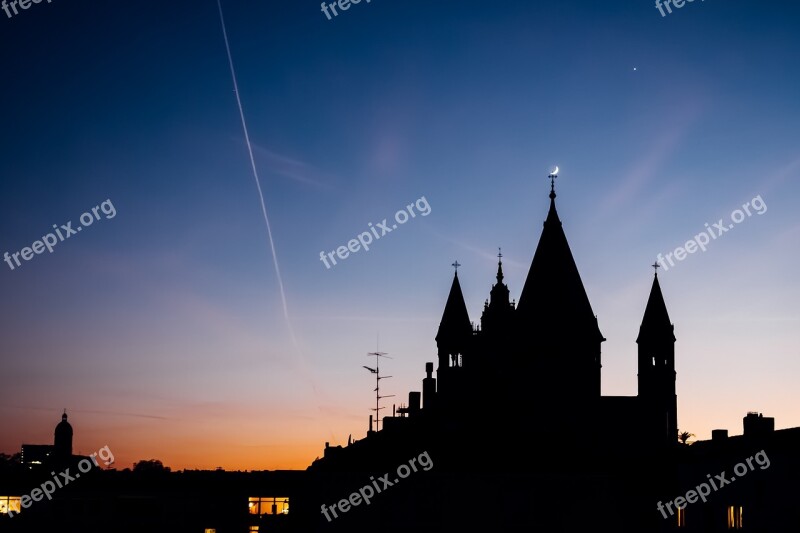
{"x": 413, "y": 403}
{"x": 428, "y": 387}
{"x": 718, "y": 435}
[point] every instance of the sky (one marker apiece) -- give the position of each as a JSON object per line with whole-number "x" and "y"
{"x": 165, "y": 328}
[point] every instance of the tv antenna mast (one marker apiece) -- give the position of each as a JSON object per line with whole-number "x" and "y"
{"x": 378, "y": 378}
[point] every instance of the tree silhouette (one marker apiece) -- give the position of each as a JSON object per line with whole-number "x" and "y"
{"x": 11, "y": 463}
{"x": 150, "y": 466}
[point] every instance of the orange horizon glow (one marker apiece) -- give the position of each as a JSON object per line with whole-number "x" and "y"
{"x": 187, "y": 451}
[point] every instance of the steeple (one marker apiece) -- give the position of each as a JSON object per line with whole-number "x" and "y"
{"x": 657, "y": 376}
{"x": 499, "y": 265}
{"x": 455, "y": 329}
{"x": 557, "y": 331}
{"x": 553, "y": 295}
{"x": 498, "y": 311}
{"x": 655, "y": 323}
{"x": 499, "y": 293}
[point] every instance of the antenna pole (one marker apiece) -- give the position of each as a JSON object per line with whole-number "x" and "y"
{"x": 378, "y": 378}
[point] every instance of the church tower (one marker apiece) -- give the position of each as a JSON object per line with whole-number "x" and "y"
{"x": 558, "y": 347}
{"x": 657, "y": 374}
{"x": 454, "y": 337}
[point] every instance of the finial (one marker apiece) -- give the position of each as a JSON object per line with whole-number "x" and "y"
{"x": 656, "y": 266}
{"x": 456, "y": 265}
{"x": 553, "y": 175}
{"x": 499, "y": 265}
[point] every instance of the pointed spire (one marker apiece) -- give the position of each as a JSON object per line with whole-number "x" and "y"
{"x": 553, "y": 293}
{"x": 499, "y": 294}
{"x": 499, "y": 265}
{"x": 455, "y": 324}
{"x": 656, "y": 318}
{"x": 497, "y": 313}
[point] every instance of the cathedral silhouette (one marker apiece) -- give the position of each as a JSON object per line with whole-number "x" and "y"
{"x": 519, "y": 432}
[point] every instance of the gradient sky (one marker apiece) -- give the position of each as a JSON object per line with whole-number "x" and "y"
{"x": 162, "y": 330}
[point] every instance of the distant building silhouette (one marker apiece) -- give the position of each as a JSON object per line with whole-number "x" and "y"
{"x": 62, "y": 446}
{"x": 45, "y": 455}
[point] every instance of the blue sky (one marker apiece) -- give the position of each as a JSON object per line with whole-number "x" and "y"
{"x": 162, "y": 329}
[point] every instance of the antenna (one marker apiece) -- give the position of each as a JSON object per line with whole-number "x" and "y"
{"x": 377, "y": 371}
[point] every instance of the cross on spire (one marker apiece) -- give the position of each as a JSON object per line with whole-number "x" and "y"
{"x": 456, "y": 265}
{"x": 656, "y": 266}
{"x": 499, "y": 265}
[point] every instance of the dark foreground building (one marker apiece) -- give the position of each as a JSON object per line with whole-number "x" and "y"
{"x": 521, "y": 439}
{"x": 512, "y": 434}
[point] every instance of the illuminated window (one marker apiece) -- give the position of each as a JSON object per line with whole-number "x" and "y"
{"x": 681, "y": 517}
{"x": 9, "y": 504}
{"x": 211, "y": 530}
{"x": 272, "y": 505}
{"x": 735, "y": 517}
{"x": 253, "y": 528}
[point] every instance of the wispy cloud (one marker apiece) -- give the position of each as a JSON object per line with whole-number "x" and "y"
{"x": 480, "y": 251}
{"x": 646, "y": 167}
{"x": 354, "y": 318}
{"x": 91, "y": 411}
{"x": 789, "y": 170}
{"x": 294, "y": 169}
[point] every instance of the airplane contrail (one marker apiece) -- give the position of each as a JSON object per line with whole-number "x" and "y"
{"x": 253, "y": 163}
{"x": 304, "y": 365}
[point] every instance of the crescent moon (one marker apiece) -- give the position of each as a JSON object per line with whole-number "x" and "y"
{"x": 554, "y": 172}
